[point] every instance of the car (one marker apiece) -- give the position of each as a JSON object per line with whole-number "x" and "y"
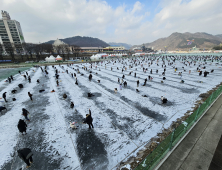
{"x": 16, "y": 62}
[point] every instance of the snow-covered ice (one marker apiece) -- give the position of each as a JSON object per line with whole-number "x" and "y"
{"x": 123, "y": 121}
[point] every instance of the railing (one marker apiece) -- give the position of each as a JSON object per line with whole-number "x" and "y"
{"x": 171, "y": 140}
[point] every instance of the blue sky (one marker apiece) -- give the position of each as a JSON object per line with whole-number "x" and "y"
{"x": 151, "y": 6}
{"x": 125, "y": 21}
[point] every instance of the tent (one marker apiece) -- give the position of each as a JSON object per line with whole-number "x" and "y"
{"x": 98, "y": 56}
{"x": 58, "y": 58}
{"x": 46, "y": 59}
{"x": 51, "y": 59}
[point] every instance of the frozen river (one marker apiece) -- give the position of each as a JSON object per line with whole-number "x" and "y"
{"x": 123, "y": 122}
{"x": 4, "y": 73}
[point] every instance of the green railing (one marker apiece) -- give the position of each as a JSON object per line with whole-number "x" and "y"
{"x": 171, "y": 140}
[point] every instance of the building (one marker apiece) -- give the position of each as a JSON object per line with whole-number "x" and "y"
{"x": 59, "y": 46}
{"x": 10, "y": 33}
{"x": 195, "y": 49}
{"x": 58, "y": 42}
{"x": 108, "y": 49}
{"x": 137, "y": 49}
{"x": 114, "y": 49}
{"x": 91, "y": 49}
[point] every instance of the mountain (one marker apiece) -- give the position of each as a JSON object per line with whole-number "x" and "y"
{"x": 127, "y": 46}
{"x": 219, "y": 36}
{"x": 180, "y": 40}
{"x": 82, "y": 42}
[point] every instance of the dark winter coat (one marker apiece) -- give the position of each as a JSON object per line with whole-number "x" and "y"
{"x": 20, "y": 86}
{"x": 30, "y": 95}
{"x": 25, "y": 153}
{"x": 4, "y": 95}
{"x": 89, "y": 118}
{"x": 22, "y": 126}
{"x": 24, "y": 112}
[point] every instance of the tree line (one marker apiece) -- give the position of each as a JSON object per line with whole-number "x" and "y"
{"x": 30, "y": 49}
{"x": 219, "y": 47}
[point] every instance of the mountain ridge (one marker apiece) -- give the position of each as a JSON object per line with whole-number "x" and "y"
{"x": 127, "y": 46}
{"x": 82, "y": 41}
{"x": 179, "y": 41}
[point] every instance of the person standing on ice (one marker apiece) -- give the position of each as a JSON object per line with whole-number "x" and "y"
{"x": 25, "y": 114}
{"x": 26, "y": 155}
{"x": 22, "y": 126}
{"x": 90, "y": 77}
{"x": 89, "y": 119}
{"x": 138, "y": 82}
{"x": 120, "y": 86}
{"x": 125, "y": 84}
{"x": 4, "y": 96}
{"x": 9, "y": 79}
{"x": 57, "y": 82}
{"x": 29, "y": 79}
{"x": 30, "y": 95}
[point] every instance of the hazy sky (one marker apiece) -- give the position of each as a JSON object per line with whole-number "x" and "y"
{"x": 128, "y": 21}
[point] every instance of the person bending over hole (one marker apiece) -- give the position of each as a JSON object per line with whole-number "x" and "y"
{"x": 164, "y": 100}
{"x": 72, "y": 105}
{"x": 26, "y": 155}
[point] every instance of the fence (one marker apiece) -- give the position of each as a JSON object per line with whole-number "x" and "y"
{"x": 170, "y": 141}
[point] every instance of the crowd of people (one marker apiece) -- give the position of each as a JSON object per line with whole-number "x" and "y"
{"x": 26, "y": 154}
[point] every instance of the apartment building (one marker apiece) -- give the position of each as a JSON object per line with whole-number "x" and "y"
{"x": 10, "y": 33}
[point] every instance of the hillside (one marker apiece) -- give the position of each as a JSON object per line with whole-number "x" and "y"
{"x": 127, "y": 46}
{"x": 179, "y": 41}
{"x": 82, "y": 41}
{"x": 219, "y": 36}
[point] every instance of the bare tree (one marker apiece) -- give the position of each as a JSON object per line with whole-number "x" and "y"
{"x": 75, "y": 49}
{"x": 10, "y": 49}
{"x": 63, "y": 51}
{"x": 1, "y": 51}
{"x": 57, "y": 49}
{"x": 19, "y": 50}
{"x": 47, "y": 48}
{"x": 67, "y": 49}
{"x": 28, "y": 49}
{"x": 37, "y": 50}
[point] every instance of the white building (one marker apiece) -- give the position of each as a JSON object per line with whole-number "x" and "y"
{"x": 59, "y": 45}
{"x": 10, "y": 32}
{"x": 58, "y": 42}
